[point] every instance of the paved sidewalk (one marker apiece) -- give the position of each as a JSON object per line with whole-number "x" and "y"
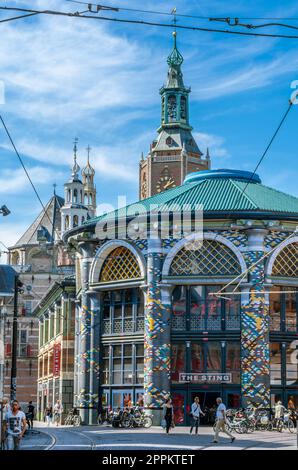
{"x": 153, "y": 439}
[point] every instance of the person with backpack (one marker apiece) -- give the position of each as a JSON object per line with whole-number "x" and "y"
{"x": 195, "y": 414}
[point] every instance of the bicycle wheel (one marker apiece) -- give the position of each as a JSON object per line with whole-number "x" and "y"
{"x": 291, "y": 426}
{"x": 147, "y": 422}
{"x": 67, "y": 421}
{"x": 76, "y": 420}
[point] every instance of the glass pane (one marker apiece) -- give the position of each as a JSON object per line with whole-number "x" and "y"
{"x": 179, "y": 308}
{"x": 213, "y": 356}
{"x": 127, "y": 350}
{"x": 197, "y": 357}
{"x": 178, "y": 360}
{"x": 291, "y": 311}
{"x": 275, "y": 309}
{"x": 106, "y": 351}
{"x": 292, "y": 364}
{"x": 233, "y": 360}
{"x": 106, "y": 311}
{"x": 117, "y": 351}
{"x": 197, "y": 308}
{"x": 293, "y": 401}
{"x": 275, "y": 364}
{"x": 139, "y": 349}
{"x": 232, "y": 309}
{"x": 213, "y": 312}
{"x": 117, "y": 364}
{"x": 117, "y": 377}
{"x": 117, "y": 311}
{"x": 117, "y": 296}
{"x": 178, "y": 407}
{"x": 128, "y": 296}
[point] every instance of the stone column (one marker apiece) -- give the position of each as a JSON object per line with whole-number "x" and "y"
{"x": 255, "y": 366}
{"x": 157, "y": 350}
{"x": 83, "y": 370}
{"x": 94, "y": 357}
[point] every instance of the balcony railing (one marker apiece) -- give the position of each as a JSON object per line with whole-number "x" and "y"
{"x": 126, "y": 325}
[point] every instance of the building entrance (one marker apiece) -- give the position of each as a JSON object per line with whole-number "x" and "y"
{"x": 208, "y": 404}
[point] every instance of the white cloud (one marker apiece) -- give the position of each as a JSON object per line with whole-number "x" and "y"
{"x": 14, "y": 181}
{"x": 214, "y": 142}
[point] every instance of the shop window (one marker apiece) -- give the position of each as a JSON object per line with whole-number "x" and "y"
{"x": 178, "y": 365}
{"x": 123, "y": 312}
{"x": 275, "y": 363}
{"x": 121, "y": 264}
{"x": 179, "y": 308}
{"x": 127, "y": 367}
{"x": 233, "y": 360}
{"x": 286, "y": 262}
{"x": 275, "y": 309}
{"x": 211, "y": 258}
{"x": 197, "y": 357}
{"x": 292, "y": 364}
{"x": 291, "y": 311}
{"x": 213, "y": 357}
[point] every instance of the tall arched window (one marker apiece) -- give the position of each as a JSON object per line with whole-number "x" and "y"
{"x": 75, "y": 195}
{"x": 286, "y": 262}
{"x": 183, "y": 110}
{"x": 75, "y": 220}
{"x": 121, "y": 264}
{"x": 212, "y": 258}
{"x": 68, "y": 195}
{"x": 172, "y": 108}
{"x": 66, "y": 222}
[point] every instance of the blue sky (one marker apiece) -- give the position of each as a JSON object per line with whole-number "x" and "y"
{"x": 100, "y": 81}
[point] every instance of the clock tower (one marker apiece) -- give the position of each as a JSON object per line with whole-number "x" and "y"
{"x": 174, "y": 153}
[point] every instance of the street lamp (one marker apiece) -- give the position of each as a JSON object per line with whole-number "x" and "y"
{"x": 4, "y": 210}
{"x": 13, "y": 381}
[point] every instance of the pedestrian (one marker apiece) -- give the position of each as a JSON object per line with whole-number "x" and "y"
{"x": 168, "y": 414}
{"x": 221, "y": 421}
{"x": 58, "y": 410}
{"x": 49, "y": 415}
{"x": 195, "y": 414}
{"x": 15, "y": 426}
{"x": 30, "y": 415}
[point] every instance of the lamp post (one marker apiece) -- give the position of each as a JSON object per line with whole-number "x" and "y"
{"x": 13, "y": 381}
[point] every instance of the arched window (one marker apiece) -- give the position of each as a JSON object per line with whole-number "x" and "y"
{"x": 172, "y": 108}
{"x": 66, "y": 222}
{"x": 183, "y": 108}
{"x": 81, "y": 194}
{"x": 75, "y": 220}
{"x": 68, "y": 195}
{"x": 90, "y": 199}
{"x": 286, "y": 262}
{"x": 75, "y": 195}
{"x": 86, "y": 199}
{"x": 212, "y": 258}
{"x": 121, "y": 264}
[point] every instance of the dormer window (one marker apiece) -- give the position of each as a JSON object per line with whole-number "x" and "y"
{"x": 169, "y": 141}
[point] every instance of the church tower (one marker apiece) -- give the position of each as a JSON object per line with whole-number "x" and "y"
{"x": 74, "y": 212}
{"x": 89, "y": 187}
{"x": 174, "y": 153}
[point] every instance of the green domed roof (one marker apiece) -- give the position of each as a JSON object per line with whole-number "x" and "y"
{"x": 223, "y": 193}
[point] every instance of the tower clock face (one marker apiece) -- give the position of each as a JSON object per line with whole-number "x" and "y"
{"x": 165, "y": 182}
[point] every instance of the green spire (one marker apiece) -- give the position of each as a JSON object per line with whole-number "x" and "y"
{"x": 175, "y": 59}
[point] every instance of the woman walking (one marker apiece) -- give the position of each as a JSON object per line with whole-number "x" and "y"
{"x": 168, "y": 414}
{"x": 195, "y": 414}
{"x": 48, "y": 415}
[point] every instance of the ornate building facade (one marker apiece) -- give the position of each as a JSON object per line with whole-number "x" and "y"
{"x": 174, "y": 153}
{"x": 177, "y": 315}
{"x": 40, "y": 260}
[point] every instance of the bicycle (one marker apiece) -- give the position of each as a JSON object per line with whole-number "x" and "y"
{"x": 72, "y": 419}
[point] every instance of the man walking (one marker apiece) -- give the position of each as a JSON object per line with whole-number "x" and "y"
{"x": 30, "y": 415}
{"x": 15, "y": 426}
{"x": 195, "y": 414}
{"x": 221, "y": 421}
{"x": 58, "y": 410}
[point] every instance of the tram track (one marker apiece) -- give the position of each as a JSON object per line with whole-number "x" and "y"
{"x": 55, "y": 444}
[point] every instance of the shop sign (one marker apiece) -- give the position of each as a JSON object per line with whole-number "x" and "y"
{"x": 205, "y": 378}
{"x": 56, "y": 359}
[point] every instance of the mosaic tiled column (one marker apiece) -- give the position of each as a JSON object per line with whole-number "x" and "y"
{"x": 255, "y": 366}
{"x": 93, "y": 357}
{"x": 82, "y": 355}
{"x": 157, "y": 334}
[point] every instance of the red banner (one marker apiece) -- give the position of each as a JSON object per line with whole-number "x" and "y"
{"x": 56, "y": 359}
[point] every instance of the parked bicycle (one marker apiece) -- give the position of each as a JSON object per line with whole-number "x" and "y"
{"x": 73, "y": 418}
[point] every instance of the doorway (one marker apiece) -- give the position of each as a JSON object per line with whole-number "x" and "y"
{"x": 208, "y": 405}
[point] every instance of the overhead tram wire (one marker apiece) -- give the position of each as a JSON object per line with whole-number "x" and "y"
{"x": 154, "y": 12}
{"x": 25, "y": 169}
{"x": 150, "y": 23}
{"x": 241, "y": 276}
{"x": 6, "y": 20}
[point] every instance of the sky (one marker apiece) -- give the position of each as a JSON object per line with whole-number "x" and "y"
{"x": 62, "y": 78}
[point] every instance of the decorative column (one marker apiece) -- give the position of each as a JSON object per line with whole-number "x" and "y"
{"x": 84, "y": 402}
{"x": 157, "y": 350}
{"x": 255, "y": 361}
{"x": 94, "y": 357}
